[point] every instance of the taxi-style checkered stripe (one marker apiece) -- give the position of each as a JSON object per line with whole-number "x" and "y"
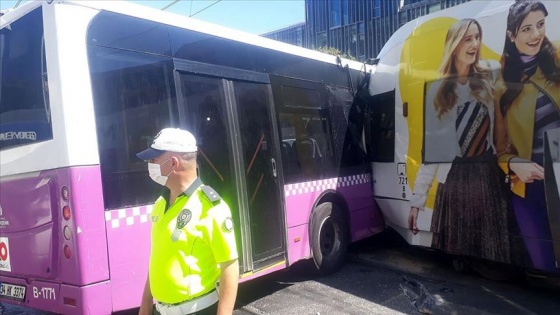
{"x": 128, "y": 216}
{"x": 135, "y": 215}
{"x": 324, "y": 184}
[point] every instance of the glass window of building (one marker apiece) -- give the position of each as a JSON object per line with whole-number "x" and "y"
{"x": 376, "y": 8}
{"x": 361, "y": 42}
{"x": 353, "y": 41}
{"x": 323, "y": 13}
{"x": 344, "y": 8}
{"x": 321, "y": 40}
{"x": 335, "y": 13}
{"x": 334, "y": 38}
{"x": 403, "y": 17}
{"x": 434, "y": 7}
{"x": 360, "y": 8}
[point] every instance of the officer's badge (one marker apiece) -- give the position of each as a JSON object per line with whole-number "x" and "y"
{"x": 183, "y": 218}
{"x": 228, "y": 224}
{"x": 154, "y": 218}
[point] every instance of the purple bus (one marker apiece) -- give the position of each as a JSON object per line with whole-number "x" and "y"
{"x": 85, "y": 84}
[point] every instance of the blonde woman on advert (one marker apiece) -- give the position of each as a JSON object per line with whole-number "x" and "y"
{"x": 470, "y": 214}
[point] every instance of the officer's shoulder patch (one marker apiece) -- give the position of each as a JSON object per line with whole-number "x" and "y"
{"x": 211, "y": 194}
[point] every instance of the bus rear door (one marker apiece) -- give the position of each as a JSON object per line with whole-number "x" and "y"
{"x": 230, "y": 113}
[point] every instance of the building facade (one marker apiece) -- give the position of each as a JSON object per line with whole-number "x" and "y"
{"x": 358, "y": 28}
{"x": 293, "y": 34}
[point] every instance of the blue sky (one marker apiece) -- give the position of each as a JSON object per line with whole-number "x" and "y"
{"x": 253, "y": 16}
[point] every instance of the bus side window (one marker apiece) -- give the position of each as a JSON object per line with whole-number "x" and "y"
{"x": 304, "y": 151}
{"x": 346, "y": 116}
{"x": 316, "y": 131}
{"x": 290, "y": 158}
{"x": 306, "y": 133}
{"x": 302, "y": 154}
{"x": 380, "y": 127}
{"x": 132, "y": 101}
{"x": 23, "y": 96}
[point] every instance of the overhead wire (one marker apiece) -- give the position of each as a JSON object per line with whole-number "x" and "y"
{"x": 17, "y": 4}
{"x": 167, "y": 6}
{"x": 205, "y": 8}
{"x": 190, "y": 15}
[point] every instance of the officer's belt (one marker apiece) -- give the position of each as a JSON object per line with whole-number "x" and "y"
{"x": 190, "y": 306}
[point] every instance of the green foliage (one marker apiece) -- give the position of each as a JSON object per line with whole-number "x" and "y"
{"x": 335, "y": 52}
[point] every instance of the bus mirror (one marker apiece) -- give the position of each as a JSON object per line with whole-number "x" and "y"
{"x": 405, "y": 109}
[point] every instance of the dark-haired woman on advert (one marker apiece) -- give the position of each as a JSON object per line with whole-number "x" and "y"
{"x": 529, "y": 105}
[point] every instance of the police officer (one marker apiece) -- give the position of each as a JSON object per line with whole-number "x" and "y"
{"x": 193, "y": 260}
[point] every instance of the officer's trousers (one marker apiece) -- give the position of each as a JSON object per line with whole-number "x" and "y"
{"x": 211, "y": 310}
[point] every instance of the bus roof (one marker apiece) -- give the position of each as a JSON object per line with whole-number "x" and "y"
{"x": 177, "y": 20}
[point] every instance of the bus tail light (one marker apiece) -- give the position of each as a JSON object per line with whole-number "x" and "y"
{"x": 66, "y": 213}
{"x": 67, "y": 251}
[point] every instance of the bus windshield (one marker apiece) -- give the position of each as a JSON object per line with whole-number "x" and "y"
{"x": 24, "y": 106}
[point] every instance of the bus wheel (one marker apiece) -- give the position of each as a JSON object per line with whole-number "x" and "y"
{"x": 329, "y": 237}
{"x": 495, "y": 271}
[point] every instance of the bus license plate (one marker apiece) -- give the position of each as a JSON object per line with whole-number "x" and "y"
{"x": 16, "y": 292}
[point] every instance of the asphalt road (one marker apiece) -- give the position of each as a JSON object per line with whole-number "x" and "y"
{"x": 386, "y": 276}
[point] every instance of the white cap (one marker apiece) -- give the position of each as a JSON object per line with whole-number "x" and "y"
{"x": 169, "y": 140}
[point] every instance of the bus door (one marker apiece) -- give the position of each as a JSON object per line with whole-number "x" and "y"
{"x": 230, "y": 112}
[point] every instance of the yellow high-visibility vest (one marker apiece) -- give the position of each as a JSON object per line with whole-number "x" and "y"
{"x": 189, "y": 240}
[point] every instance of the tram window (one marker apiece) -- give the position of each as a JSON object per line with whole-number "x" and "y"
{"x": 380, "y": 127}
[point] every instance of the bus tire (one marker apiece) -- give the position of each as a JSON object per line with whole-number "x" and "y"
{"x": 329, "y": 238}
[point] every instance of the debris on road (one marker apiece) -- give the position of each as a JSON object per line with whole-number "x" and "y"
{"x": 421, "y": 299}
